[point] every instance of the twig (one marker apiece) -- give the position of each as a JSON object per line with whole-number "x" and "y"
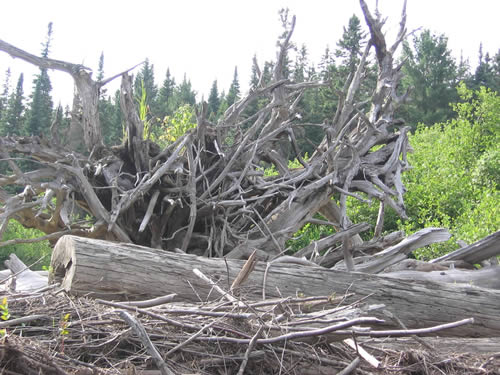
{"x": 362, "y": 353}
{"x": 191, "y": 338}
{"x": 245, "y": 271}
{"x": 151, "y": 302}
{"x": 225, "y": 294}
{"x": 249, "y": 350}
{"x": 146, "y": 341}
{"x": 24, "y": 319}
{"x": 352, "y": 366}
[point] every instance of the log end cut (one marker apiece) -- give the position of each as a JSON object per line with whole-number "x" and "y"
{"x": 63, "y": 263}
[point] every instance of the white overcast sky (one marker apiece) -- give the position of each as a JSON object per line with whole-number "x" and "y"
{"x": 207, "y": 39}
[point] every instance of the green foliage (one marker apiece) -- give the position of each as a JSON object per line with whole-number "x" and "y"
{"x": 39, "y": 114}
{"x": 431, "y": 73}
{"x": 454, "y": 180}
{"x": 13, "y": 117}
{"x": 64, "y": 324}
{"x": 4, "y": 309}
{"x": 176, "y": 125}
{"x": 307, "y": 234}
{"x": 29, "y": 253}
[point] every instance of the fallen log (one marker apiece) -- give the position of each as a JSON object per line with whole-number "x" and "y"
{"x": 475, "y": 253}
{"x": 21, "y": 278}
{"x": 124, "y": 271}
{"x": 397, "y": 253}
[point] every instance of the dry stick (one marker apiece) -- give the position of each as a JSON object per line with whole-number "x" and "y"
{"x": 301, "y": 334}
{"x": 249, "y": 350}
{"x": 362, "y": 353}
{"x": 152, "y": 302}
{"x": 149, "y": 211}
{"x": 246, "y": 270}
{"x": 380, "y": 220}
{"x": 149, "y": 313}
{"x": 191, "y": 338}
{"x": 402, "y": 325}
{"x": 409, "y": 332}
{"x": 209, "y": 281}
{"x": 352, "y": 366}
{"x": 146, "y": 341}
{"x": 25, "y": 319}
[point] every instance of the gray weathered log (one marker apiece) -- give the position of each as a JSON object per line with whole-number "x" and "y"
{"x": 22, "y": 279}
{"x": 481, "y": 250}
{"x": 124, "y": 271}
{"x": 397, "y": 253}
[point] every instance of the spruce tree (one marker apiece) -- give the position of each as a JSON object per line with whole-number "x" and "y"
{"x": 166, "y": 106}
{"x": 4, "y": 96}
{"x": 431, "y": 72}
{"x": 40, "y": 107}
{"x": 487, "y": 71}
{"x": 213, "y": 101}
{"x": 350, "y": 45}
{"x": 233, "y": 94}
{"x": 13, "y": 119}
{"x": 184, "y": 93}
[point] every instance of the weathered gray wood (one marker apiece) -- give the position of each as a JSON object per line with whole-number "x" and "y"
{"x": 397, "y": 253}
{"x": 124, "y": 271}
{"x": 21, "y": 278}
{"x": 488, "y": 277}
{"x": 481, "y": 250}
{"x": 441, "y": 345}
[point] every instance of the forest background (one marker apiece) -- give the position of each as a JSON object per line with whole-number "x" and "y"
{"x": 454, "y": 115}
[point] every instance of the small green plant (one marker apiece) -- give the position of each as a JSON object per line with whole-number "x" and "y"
{"x": 64, "y": 329}
{"x": 4, "y": 315}
{"x": 64, "y": 324}
{"x": 4, "y": 309}
{"x": 143, "y": 112}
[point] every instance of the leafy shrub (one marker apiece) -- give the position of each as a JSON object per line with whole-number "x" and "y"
{"x": 29, "y": 253}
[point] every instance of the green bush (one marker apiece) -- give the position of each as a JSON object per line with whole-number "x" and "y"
{"x": 29, "y": 253}
{"x": 454, "y": 178}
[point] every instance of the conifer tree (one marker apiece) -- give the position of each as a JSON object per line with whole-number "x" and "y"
{"x": 100, "y": 68}
{"x": 487, "y": 74}
{"x": 184, "y": 93}
{"x": 234, "y": 90}
{"x": 165, "y": 100}
{"x": 431, "y": 72}
{"x": 40, "y": 108}
{"x": 12, "y": 121}
{"x": 350, "y": 45}
{"x": 4, "y": 95}
{"x": 213, "y": 101}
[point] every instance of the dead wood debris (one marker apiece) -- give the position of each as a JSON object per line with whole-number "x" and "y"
{"x": 291, "y": 335}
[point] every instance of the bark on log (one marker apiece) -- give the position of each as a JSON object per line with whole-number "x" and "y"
{"x": 124, "y": 271}
{"x": 488, "y": 277}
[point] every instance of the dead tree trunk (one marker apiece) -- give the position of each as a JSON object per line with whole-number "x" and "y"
{"x": 123, "y": 271}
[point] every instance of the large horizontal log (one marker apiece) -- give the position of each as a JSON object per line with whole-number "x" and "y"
{"x": 124, "y": 271}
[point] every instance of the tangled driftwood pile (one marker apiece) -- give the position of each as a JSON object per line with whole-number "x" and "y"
{"x": 59, "y": 334}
